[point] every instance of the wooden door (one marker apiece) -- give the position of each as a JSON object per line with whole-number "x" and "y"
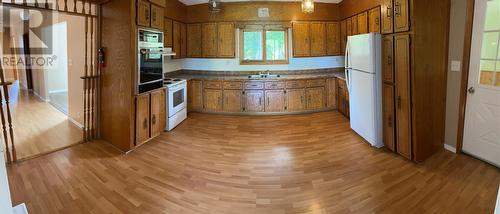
{"x": 343, "y": 36}
{"x": 161, "y": 3}
{"x": 331, "y": 93}
{"x": 315, "y": 98}
{"x": 388, "y": 59}
{"x": 388, "y": 114}
{"x": 183, "y": 41}
{"x": 195, "y": 95}
{"x": 212, "y": 100}
{"x": 157, "y": 19}
{"x": 232, "y": 101}
{"x": 226, "y": 43}
{"x": 363, "y": 23}
{"x": 176, "y": 29}
{"x": 403, "y": 109}
{"x": 158, "y": 109}
{"x": 295, "y": 100}
{"x": 143, "y": 13}
{"x": 254, "y": 101}
{"x": 301, "y": 39}
{"x": 387, "y": 16}
{"x": 333, "y": 39}
{"x": 374, "y": 20}
{"x": 318, "y": 38}
{"x": 275, "y": 101}
{"x": 193, "y": 39}
{"x": 401, "y": 16}
{"x": 354, "y": 25}
{"x": 142, "y": 119}
{"x": 209, "y": 39}
{"x": 348, "y": 28}
{"x": 168, "y": 35}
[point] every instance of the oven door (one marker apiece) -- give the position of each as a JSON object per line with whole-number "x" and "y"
{"x": 150, "y": 66}
{"x": 177, "y": 97}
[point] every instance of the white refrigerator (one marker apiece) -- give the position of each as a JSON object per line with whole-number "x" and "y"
{"x": 363, "y": 69}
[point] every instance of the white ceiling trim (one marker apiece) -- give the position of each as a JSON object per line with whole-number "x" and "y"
{"x": 193, "y": 2}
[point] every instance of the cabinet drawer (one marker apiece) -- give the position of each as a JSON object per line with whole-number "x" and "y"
{"x": 316, "y": 83}
{"x": 275, "y": 85}
{"x": 254, "y": 85}
{"x": 233, "y": 85}
{"x": 296, "y": 84}
{"x": 213, "y": 84}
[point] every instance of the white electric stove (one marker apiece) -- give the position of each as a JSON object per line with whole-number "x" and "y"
{"x": 176, "y": 98}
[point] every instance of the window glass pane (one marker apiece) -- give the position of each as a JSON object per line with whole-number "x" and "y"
{"x": 252, "y": 45}
{"x": 492, "y": 15}
{"x": 486, "y": 75}
{"x": 275, "y": 45}
{"x": 490, "y": 45}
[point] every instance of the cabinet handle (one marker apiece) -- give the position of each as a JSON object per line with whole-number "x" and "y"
{"x": 377, "y": 21}
{"x": 260, "y": 101}
{"x": 399, "y": 102}
{"x": 146, "y": 14}
{"x": 389, "y": 122}
{"x": 145, "y": 124}
{"x": 389, "y": 11}
{"x": 153, "y": 119}
{"x": 301, "y": 99}
{"x": 268, "y": 102}
{"x": 389, "y": 60}
{"x": 397, "y": 8}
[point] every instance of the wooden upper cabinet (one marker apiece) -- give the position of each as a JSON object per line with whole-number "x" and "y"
{"x": 333, "y": 39}
{"x": 183, "y": 40}
{"x": 176, "y": 31}
{"x": 331, "y": 93}
{"x": 387, "y": 16}
{"x": 157, "y": 19}
{"x": 348, "y": 27}
{"x": 142, "y": 118}
{"x": 254, "y": 101}
{"x": 295, "y": 100}
{"x": 318, "y": 38}
{"x": 275, "y": 100}
{"x": 162, "y": 3}
{"x": 209, "y": 39}
{"x": 232, "y": 101}
{"x": 301, "y": 39}
{"x": 403, "y": 102}
{"x": 388, "y": 59}
{"x": 354, "y": 25}
{"x": 362, "y": 23}
{"x": 226, "y": 37}
{"x": 343, "y": 36}
{"x": 167, "y": 33}
{"x": 143, "y": 13}
{"x": 158, "y": 110}
{"x": 193, "y": 39}
{"x": 401, "y": 16}
{"x": 315, "y": 98}
{"x": 388, "y": 114}
{"x": 212, "y": 100}
{"x": 374, "y": 20}
{"x": 195, "y": 95}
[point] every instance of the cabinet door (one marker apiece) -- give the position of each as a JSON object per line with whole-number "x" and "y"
{"x": 315, "y": 98}
{"x": 183, "y": 41}
{"x": 348, "y": 27}
{"x": 275, "y": 101}
{"x": 318, "y": 39}
{"x": 331, "y": 93}
{"x": 226, "y": 38}
{"x": 143, "y": 13}
{"x": 403, "y": 109}
{"x": 387, "y": 14}
{"x": 193, "y": 40}
{"x": 333, "y": 39}
{"x": 157, "y": 17}
{"x": 254, "y": 101}
{"x": 142, "y": 119}
{"x": 388, "y": 111}
{"x": 295, "y": 100}
{"x": 374, "y": 20}
{"x": 168, "y": 34}
{"x": 341, "y": 97}
{"x": 363, "y": 23}
{"x": 176, "y": 29}
{"x": 401, "y": 16}
{"x": 354, "y": 25}
{"x": 195, "y": 95}
{"x": 161, "y": 3}
{"x": 209, "y": 40}
{"x": 387, "y": 59}
{"x": 158, "y": 110}
{"x": 343, "y": 36}
{"x": 301, "y": 39}
{"x": 213, "y": 100}
{"x": 232, "y": 100}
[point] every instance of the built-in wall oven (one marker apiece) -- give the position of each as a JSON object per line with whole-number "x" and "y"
{"x": 150, "y": 60}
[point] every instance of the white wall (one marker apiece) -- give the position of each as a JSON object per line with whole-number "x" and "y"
{"x": 58, "y": 73}
{"x": 234, "y": 64}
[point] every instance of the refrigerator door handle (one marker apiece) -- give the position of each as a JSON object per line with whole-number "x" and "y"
{"x": 347, "y": 55}
{"x": 347, "y": 80}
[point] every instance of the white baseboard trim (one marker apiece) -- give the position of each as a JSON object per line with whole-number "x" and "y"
{"x": 58, "y": 91}
{"x": 40, "y": 97}
{"x": 75, "y": 123}
{"x": 450, "y": 148}
{"x": 20, "y": 209}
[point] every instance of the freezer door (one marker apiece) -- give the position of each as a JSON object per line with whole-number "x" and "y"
{"x": 361, "y": 52}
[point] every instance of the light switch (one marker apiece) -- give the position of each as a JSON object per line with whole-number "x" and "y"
{"x": 456, "y": 66}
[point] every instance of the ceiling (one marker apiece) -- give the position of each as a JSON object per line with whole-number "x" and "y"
{"x": 193, "y": 2}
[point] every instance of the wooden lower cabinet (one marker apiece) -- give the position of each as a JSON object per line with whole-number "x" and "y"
{"x": 254, "y": 101}
{"x": 142, "y": 119}
{"x": 388, "y": 116}
{"x": 212, "y": 100}
{"x": 232, "y": 101}
{"x": 342, "y": 98}
{"x": 275, "y": 100}
{"x": 295, "y": 100}
{"x": 150, "y": 115}
{"x": 158, "y": 111}
{"x": 315, "y": 98}
{"x": 195, "y": 94}
{"x": 331, "y": 93}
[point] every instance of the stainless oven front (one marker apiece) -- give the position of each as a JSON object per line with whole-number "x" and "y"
{"x": 150, "y": 60}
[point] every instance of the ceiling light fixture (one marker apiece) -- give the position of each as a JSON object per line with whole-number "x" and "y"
{"x": 214, "y": 6}
{"x": 307, "y": 6}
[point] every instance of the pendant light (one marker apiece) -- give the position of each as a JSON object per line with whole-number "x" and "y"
{"x": 307, "y": 6}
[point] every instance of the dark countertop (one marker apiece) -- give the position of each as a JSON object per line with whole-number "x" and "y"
{"x": 243, "y": 75}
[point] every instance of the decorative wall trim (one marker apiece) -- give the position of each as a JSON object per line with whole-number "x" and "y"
{"x": 450, "y": 148}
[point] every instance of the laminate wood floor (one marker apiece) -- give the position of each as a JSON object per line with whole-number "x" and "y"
{"x": 233, "y": 164}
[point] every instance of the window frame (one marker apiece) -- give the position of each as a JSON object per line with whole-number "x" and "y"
{"x": 264, "y": 60}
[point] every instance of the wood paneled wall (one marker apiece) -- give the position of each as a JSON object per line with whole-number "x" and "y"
{"x": 176, "y": 10}
{"x": 247, "y": 11}
{"x": 349, "y": 8}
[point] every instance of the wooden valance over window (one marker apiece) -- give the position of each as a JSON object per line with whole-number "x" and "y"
{"x": 263, "y": 25}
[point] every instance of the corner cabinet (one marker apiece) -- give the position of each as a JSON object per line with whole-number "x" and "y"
{"x": 150, "y": 13}
{"x": 150, "y": 115}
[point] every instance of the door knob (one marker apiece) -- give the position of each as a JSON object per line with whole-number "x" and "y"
{"x": 471, "y": 90}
